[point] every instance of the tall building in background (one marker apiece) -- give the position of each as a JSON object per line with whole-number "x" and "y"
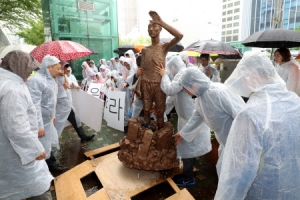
{"x": 92, "y": 23}
{"x": 262, "y": 13}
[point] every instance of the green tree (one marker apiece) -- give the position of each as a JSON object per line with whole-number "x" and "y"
{"x": 34, "y": 34}
{"x": 139, "y": 40}
{"x": 16, "y": 13}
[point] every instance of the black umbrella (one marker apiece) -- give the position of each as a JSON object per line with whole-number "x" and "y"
{"x": 94, "y": 51}
{"x": 176, "y": 48}
{"x": 213, "y": 47}
{"x": 273, "y": 38}
{"x": 123, "y": 48}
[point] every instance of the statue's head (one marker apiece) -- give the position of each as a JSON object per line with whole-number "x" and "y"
{"x": 154, "y": 30}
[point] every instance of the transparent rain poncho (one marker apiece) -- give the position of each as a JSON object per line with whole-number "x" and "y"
{"x": 72, "y": 79}
{"x": 183, "y": 55}
{"x": 63, "y": 105}
{"x": 215, "y": 77}
{"x": 261, "y": 156}
{"x": 131, "y": 72}
{"x": 184, "y": 106}
{"x": 132, "y": 57}
{"x": 93, "y": 67}
{"x": 290, "y": 73}
{"x": 43, "y": 90}
{"x": 215, "y": 105}
{"x": 87, "y": 72}
{"x": 21, "y": 176}
{"x": 104, "y": 71}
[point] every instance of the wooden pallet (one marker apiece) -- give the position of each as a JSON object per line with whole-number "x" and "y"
{"x": 119, "y": 182}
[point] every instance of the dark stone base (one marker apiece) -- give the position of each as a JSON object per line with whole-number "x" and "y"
{"x": 144, "y": 149}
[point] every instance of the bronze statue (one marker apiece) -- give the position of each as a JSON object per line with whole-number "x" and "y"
{"x": 152, "y": 56}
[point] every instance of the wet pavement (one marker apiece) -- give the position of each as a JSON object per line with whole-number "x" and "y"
{"x": 71, "y": 153}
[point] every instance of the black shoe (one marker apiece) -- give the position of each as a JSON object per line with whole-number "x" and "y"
{"x": 87, "y": 138}
{"x": 58, "y": 168}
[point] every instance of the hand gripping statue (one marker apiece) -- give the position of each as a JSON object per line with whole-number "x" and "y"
{"x": 152, "y": 56}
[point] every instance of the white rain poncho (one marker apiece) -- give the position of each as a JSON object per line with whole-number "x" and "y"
{"x": 104, "y": 71}
{"x": 290, "y": 73}
{"x": 118, "y": 86}
{"x": 21, "y": 176}
{"x": 72, "y": 79}
{"x": 261, "y": 157}
{"x": 43, "y": 90}
{"x": 132, "y": 57}
{"x": 63, "y": 106}
{"x": 184, "y": 106}
{"x": 113, "y": 65}
{"x": 103, "y": 62}
{"x": 94, "y": 68}
{"x": 131, "y": 72}
{"x": 88, "y": 73}
{"x": 215, "y": 105}
{"x": 215, "y": 73}
{"x": 124, "y": 71}
{"x": 183, "y": 55}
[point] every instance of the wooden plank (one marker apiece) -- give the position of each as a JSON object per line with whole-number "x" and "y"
{"x": 91, "y": 154}
{"x": 121, "y": 182}
{"x": 173, "y": 185}
{"x": 181, "y": 195}
{"x": 99, "y": 195}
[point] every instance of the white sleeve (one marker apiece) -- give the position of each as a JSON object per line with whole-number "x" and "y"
{"x": 168, "y": 87}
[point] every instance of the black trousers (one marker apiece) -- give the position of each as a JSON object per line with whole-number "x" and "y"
{"x": 51, "y": 162}
{"x": 188, "y": 166}
{"x": 72, "y": 120}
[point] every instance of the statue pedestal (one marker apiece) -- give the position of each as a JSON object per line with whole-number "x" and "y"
{"x": 147, "y": 150}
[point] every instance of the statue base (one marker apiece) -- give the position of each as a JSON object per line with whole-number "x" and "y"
{"x": 144, "y": 149}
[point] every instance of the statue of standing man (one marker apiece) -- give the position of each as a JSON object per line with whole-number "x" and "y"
{"x": 152, "y": 56}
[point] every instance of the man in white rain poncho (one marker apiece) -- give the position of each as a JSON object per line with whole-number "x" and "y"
{"x": 261, "y": 157}
{"x": 211, "y": 72}
{"x": 23, "y": 170}
{"x": 43, "y": 90}
{"x": 215, "y": 105}
{"x": 184, "y": 106}
{"x": 185, "y": 58}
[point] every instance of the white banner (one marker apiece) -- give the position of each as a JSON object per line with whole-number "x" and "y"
{"x": 114, "y": 109}
{"x": 96, "y": 90}
{"x": 89, "y": 109}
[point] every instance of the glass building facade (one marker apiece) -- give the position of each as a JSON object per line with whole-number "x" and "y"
{"x": 92, "y": 23}
{"x": 263, "y": 11}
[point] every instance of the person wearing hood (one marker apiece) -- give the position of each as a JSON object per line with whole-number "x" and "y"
{"x": 211, "y": 72}
{"x": 102, "y": 62}
{"x": 71, "y": 78}
{"x": 185, "y": 58}
{"x": 112, "y": 64}
{"x": 119, "y": 66}
{"x": 123, "y": 69}
{"x": 93, "y": 66}
{"x": 288, "y": 69}
{"x": 88, "y": 72}
{"x": 184, "y": 106}
{"x": 23, "y": 170}
{"x": 130, "y": 54}
{"x": 215, "y": 105}
{"x": 117, "y": 82}
{"x": 132, "y": 69}
{"x": 43, "y": 90}
{"x": 104, "y": 71}
{"x": 261, "y": 156}
{"x": 99, "y": 78}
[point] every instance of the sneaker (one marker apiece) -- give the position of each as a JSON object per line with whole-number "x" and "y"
{"x": 186, "y": 183}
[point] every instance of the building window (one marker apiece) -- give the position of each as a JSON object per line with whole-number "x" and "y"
{"x": 224, "y": 6}
{"x": 223, "y": 32}
{"x": 224, "y": 20}
{"x": 229, "y": 18}
{"x": 223, "y": 39}
{"x": 237, "y": 3}
{"x": 228, "y": 32}
{"x": 228, "y": 39}
{"x": 230, "y": 5}
{"x": 236, "y": 31}
{"x": 229, "y": 12}
{"x": 224, "y": 13}
{"x": 235, "y": 38}
{"x": 236, "y": 10}
{"x": 229, "y": 25}
{"x": 224, "y": 26}
{"x": 236, "y": 17}
{"x": 236, "y": 24}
